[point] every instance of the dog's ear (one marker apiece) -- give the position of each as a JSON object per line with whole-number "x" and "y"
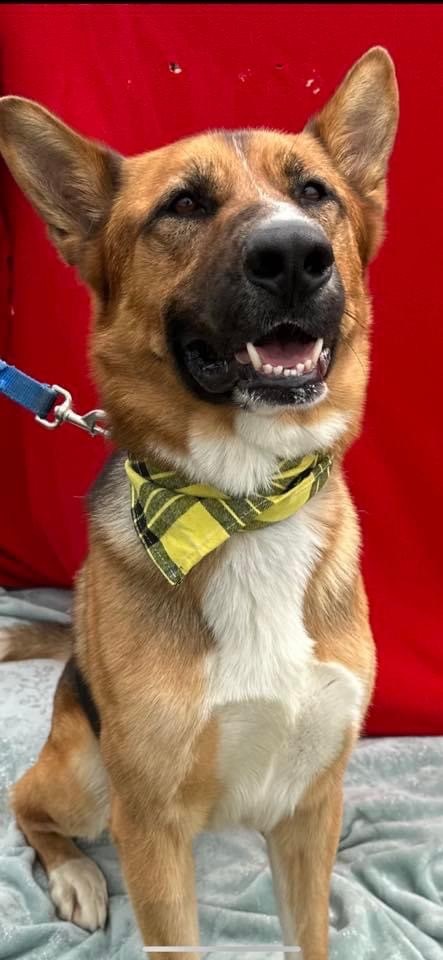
{"x": 358, "y": 125}
{"x": 69, "y": 179}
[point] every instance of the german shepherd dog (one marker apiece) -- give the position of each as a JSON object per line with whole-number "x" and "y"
{"x": 230, "y": 340}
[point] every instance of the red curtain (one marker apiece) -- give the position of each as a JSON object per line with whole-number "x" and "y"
{"x": 138, "y": 76}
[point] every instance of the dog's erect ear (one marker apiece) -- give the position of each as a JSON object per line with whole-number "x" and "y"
{"x": 358, "y": 124}
{"x": 69, "y": 179}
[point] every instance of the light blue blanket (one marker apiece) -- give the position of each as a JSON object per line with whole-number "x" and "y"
{"x": 387, "y": 889}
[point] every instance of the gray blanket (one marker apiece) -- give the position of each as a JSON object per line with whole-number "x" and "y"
{"x": 387, "y": 888}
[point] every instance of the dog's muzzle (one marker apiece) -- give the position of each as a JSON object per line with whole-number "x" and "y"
{"x": 267, "y": 328}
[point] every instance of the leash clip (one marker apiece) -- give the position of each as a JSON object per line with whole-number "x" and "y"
{"x": 63, "y": 413}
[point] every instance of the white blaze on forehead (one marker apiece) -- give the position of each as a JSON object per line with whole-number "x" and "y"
{"x": 276, "y": 210}
{"x": 244, "y": 161}
{"x": 281, "y": 211}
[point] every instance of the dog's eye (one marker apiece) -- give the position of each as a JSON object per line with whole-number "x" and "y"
{"x": 187, "y": 206}
{"x": 313, "y": 192}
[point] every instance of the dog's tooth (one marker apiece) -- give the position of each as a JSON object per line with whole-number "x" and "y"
{"x": 254, "y": 356}
{"x": 278, "y": 371}
{"x": 300, "y": 368}
{"x": 308, "y": 366}
{"x": 318, "y": 347}
{"x": 287, "y": 372}
{"x": 267, "y": 368}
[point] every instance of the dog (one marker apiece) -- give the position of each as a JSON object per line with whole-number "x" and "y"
{"x": 222, "y": 658}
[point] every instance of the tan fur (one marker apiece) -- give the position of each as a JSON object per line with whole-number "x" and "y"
{"x": 302, "y": 853}
{"x": 32, "y": 640}
{"x": 62, "y": 796}
{"x": 143, "y": 647}
{"x": 336, "y": 608}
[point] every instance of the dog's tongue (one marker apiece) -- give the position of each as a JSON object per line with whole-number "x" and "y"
{"x": 280, "y": 354}
{"x": 285, "y": 354}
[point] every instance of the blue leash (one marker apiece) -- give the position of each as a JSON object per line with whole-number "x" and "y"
{"x": 37, "y": 397}
{"x": 40, "y": 399}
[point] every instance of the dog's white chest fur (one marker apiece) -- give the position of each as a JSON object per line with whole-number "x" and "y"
{"x": 282, "y": 715}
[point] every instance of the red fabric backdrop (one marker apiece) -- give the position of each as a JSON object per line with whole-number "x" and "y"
{"x": 106, "y": 70}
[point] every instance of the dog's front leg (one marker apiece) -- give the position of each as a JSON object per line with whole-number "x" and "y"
{"x": 158, "y": 867}
{"x": 302, "y": 852}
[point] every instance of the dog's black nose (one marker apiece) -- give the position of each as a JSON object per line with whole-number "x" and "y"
{"x": 289, "y": 259}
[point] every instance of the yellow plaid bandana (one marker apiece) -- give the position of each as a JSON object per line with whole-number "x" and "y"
{"x": 180, "y": 523}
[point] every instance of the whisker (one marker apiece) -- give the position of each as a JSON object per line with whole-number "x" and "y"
{"x": 348, "y": 344}
{"x": 352, "y": 316}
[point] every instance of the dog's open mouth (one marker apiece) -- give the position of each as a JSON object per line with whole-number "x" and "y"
{"x": 286, "y": 352}
{"x": 286, "y": 366}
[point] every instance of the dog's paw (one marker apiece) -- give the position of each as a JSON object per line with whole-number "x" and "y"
{"x": 78, "y": 890}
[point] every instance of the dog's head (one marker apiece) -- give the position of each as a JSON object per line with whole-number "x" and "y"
{"x": 227, "y": 270}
